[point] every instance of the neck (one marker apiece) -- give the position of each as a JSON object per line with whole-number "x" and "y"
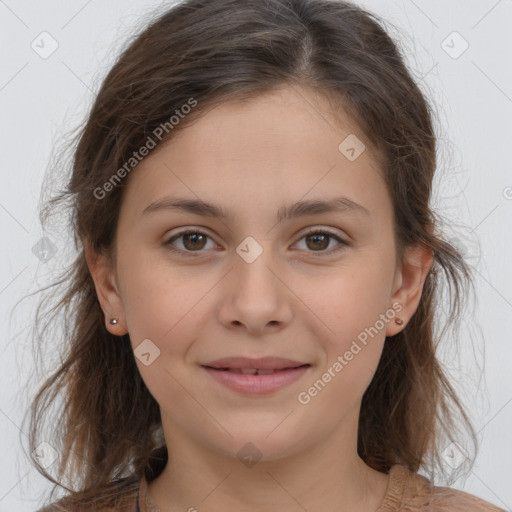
{"x": 326, "y": 476}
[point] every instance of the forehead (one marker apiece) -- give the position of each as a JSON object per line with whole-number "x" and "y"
{"x": 280, "y": 146}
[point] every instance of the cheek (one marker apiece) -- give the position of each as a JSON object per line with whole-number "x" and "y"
{"x": 162, "y": 316}
{"x": 153, "y": 296}
{"x": 351, "y": 352}
{"x": 350, "y": 299}
{"x": 159, "y": 306}
{"x": 348, "y": 307}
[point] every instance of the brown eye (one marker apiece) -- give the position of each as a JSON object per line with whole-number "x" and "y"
{"x": 319, "y": 241}
{"x": 192, "y": 241}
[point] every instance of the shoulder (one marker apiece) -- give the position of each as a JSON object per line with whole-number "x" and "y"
{"x": 120, "y": 496}
{"x": 411, "y": 492}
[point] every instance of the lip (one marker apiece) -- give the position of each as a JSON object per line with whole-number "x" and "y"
{"x": 262, "y": 363}
{"x": 286, "y": 371}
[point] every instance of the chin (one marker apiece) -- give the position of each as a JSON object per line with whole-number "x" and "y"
{"x": 260, "y": 445}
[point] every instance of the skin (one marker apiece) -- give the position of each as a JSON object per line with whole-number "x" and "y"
{"x": 298, "y": 299}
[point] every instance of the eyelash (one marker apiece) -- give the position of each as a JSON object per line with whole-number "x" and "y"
{"x": 343, "y": 244}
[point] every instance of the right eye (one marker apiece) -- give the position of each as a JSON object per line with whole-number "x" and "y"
{"x": 193, "y": 241}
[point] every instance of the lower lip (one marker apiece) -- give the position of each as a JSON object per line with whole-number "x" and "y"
{"x": 257, "y": 384}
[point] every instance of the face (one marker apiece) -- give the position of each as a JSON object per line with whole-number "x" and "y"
{"x": 314, "y": 285}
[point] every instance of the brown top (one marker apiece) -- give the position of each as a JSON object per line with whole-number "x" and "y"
{"x": 406, "y": 492}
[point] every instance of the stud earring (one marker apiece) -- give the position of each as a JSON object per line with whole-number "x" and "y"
{"x": 399, "y": 321}
{"x": 113, "y": 321}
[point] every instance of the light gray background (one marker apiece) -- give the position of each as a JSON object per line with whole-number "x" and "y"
{"x": 41, "y": 99}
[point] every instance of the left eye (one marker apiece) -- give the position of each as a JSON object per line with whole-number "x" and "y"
{"x": 195, "y": 241}
{"x": 322, "y": 240}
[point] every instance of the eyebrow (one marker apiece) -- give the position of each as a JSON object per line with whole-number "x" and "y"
{"x": 288, "y": 212}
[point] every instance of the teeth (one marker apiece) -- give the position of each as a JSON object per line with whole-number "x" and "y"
{"x": 252, "y": 371}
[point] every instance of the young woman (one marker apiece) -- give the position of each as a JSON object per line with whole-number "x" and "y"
{"x": 251, "y": 314}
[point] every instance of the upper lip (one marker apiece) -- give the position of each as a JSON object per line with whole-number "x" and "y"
{"x": 262, "y": 363}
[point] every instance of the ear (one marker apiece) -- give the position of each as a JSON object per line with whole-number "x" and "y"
{"x": 103, "y": 275}
{"x": 408, "y": 284}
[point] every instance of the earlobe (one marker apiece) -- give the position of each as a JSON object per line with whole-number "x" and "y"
{"x": 103, "y": 275}
{"x": 411, "y": 277}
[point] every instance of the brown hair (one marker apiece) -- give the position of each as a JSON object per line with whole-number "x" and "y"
{"x": 217, "y": 51}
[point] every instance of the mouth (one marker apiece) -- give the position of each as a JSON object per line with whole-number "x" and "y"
{"x": 254, "y": 371}
{"x": 256, "y": 376}
{"x": 247, "y": 363}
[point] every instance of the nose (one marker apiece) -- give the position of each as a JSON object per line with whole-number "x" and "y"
{"x": 255, "y": 295}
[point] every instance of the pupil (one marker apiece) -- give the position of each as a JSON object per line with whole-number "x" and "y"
{"x": 324, "y": 245}
{"x": 194, "y": 242}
